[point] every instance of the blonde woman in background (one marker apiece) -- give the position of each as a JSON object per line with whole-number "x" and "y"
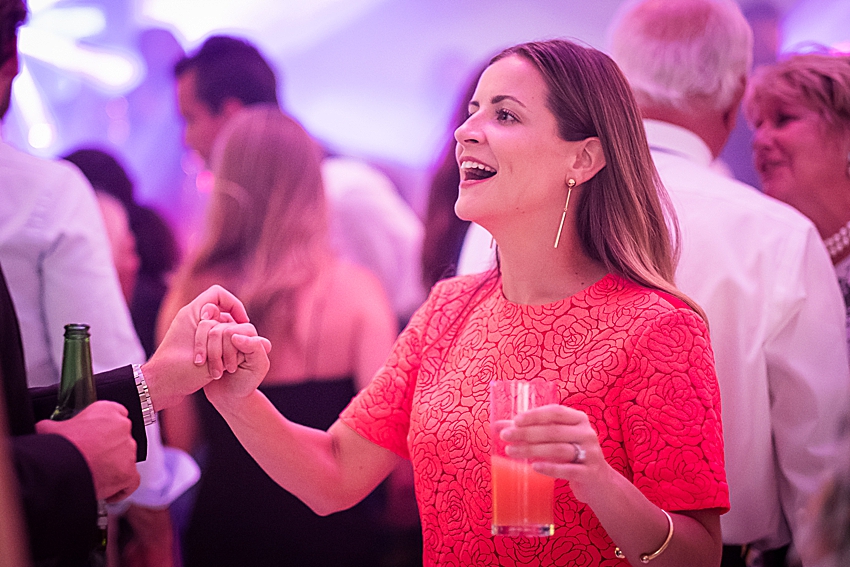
{"x": 331, "y": 327}
{"x": 800, "y": 110}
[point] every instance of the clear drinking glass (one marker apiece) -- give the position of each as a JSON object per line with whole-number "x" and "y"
{"x": 523, "y": 500}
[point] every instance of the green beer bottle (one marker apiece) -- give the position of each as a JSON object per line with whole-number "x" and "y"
{"x": 76, "y": 391}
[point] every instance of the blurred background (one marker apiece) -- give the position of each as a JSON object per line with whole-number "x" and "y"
{"x": 375, "y": 79}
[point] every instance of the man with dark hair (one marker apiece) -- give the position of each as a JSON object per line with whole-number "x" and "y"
{"x": 370, "y": 224}
{"x": 228, "y": 67}
{"x": 224, "y": 75}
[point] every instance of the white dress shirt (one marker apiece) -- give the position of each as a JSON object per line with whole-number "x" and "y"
{"x": 762, "y": 274}
{"x": 58, "y": 265}
{"x": 372, "y": 226}
{"x": 56, "y": 257}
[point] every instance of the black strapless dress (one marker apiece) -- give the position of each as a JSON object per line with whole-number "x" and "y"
{"x": 241, "y": 518}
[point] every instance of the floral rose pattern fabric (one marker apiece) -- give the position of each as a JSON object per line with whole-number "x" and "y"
{"x": 638, "y": 362}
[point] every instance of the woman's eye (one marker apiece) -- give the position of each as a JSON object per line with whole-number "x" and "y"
{"x": 783, "y": 119}
{"x": 503, "y": 115}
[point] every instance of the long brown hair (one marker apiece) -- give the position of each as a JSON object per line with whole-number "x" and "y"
{"x": 625, "y": 218}
{"x": 266, "y": 226}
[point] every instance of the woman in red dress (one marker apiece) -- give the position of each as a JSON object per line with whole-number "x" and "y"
{"x": 554, "y": 164}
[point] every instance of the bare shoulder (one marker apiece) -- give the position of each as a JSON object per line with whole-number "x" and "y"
{"x": 357, "y": 283}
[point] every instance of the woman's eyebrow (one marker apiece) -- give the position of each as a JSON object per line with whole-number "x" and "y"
{"x": 496, "y": 100}
{"x": 499, "y": 98}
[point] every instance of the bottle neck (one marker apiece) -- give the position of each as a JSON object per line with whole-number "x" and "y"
{"x": 76, "y": 388}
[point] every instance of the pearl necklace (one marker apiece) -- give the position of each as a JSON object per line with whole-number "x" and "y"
{"x": 838, "y": 242}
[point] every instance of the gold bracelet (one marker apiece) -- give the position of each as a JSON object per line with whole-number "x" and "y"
{"x": 647, "y": 557}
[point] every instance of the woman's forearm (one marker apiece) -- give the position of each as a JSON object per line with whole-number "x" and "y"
{"x": 637, "y": 526}
{"x": 329, "y": 471}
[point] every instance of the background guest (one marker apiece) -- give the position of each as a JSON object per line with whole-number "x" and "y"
{"x": 757, "y": 268}
{"x": 369, "y": 223}
{"x": 155, "y": 243}
{"x": 121, "y": 241}
{"x": 331, "y": 325}
{"x": 800, "y": 109}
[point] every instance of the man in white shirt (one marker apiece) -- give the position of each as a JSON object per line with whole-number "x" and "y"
{"x": 58, "y": 265}
{"x": 757, "y": 267}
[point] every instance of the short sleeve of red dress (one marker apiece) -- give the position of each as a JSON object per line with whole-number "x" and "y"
{"x": 668, "y": 408}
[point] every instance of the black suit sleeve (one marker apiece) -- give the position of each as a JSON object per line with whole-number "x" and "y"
{"x": 116, "y": 385}
{"x": 58, "y": 498}
{"x": 119, "y": 386}
{"x": 56, "y": 485}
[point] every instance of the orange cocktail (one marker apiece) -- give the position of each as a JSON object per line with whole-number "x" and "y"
{"x": 523, "y": 500}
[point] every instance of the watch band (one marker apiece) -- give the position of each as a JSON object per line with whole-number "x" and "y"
{"x": 148, "y": 413}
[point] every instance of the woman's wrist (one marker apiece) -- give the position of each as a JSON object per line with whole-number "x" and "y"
{"x": 599, "y": 485}
{"x": 227, "y": 403}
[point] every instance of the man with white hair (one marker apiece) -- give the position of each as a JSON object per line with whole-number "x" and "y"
{"x": 757, "y": 267}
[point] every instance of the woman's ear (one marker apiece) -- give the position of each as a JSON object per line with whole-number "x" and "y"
{"x": 589, "y": 159}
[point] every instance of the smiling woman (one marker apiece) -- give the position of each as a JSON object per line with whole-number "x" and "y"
{"x": 549, "y": 121}
{"x": 800, "y": 109}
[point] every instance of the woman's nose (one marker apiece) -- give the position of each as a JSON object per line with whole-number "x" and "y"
{"x": 468, "y": 132}
{"x": 761, "y": 136}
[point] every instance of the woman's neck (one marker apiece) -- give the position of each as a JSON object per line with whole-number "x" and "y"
{"x": 830, "y": 209}
{"x": 536, "y": 273}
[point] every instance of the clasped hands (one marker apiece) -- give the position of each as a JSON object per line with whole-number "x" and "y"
{"x": 227, "y": 344}
{"x": 208, "y": 338}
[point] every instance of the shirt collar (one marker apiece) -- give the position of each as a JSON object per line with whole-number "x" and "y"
{"x": 671, "y": 139}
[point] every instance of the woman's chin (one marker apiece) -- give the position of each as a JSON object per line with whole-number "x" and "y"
{"x": 465, "y": 210}
{"x": 772, "y": 188}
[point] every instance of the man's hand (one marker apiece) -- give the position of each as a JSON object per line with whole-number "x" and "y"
{"x": 101, "y": 432}
{"x": 178, "y": 367}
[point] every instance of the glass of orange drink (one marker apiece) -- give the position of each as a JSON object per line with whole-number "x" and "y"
{"x": 523, "y": 499}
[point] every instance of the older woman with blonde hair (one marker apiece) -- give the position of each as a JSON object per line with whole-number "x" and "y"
{"x": 331, "y": 325}
{"x": 800, "y": 109}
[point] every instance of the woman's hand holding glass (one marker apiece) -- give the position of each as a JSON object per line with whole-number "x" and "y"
{"x": 562, "y": 443}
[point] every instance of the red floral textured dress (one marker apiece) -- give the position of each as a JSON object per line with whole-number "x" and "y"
{"x": 638, "y": 362}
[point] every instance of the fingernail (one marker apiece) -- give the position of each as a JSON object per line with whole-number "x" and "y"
{"x": 199, "y": 358}
{"x": 216, "y": 375}
{"x": 205, "y": 315}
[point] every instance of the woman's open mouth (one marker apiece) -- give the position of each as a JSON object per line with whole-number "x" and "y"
{"x": 475, "y": 171}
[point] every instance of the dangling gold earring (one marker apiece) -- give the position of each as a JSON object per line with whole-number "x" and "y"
{"x": 570, "y": 184}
